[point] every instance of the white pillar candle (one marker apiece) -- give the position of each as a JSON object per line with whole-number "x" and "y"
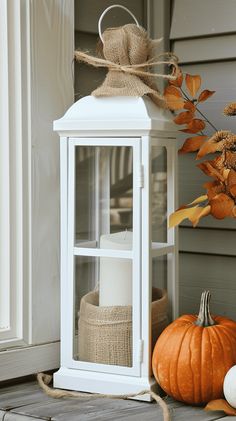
{"x": 115, "y": 286}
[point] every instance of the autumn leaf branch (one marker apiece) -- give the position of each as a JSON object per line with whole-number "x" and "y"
{"x": 220, "y": 199}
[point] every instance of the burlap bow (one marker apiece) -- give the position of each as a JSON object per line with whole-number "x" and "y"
{"x": 129, "y": 53}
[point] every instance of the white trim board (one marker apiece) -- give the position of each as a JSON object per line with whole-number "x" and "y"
{"x": 29, "y": 360}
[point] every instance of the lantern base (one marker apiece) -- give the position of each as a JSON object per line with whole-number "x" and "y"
{"x": 108, "y": 384}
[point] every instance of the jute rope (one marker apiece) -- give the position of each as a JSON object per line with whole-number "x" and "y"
{"x": 45, "y": 379}
{"x": 133, "y": 69}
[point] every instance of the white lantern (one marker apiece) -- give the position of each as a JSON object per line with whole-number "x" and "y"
{"x": 118, "y": 187}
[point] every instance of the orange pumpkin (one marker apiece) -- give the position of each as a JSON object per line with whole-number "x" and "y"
{"x": 193, "y": 354}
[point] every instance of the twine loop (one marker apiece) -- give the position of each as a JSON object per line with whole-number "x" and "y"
{"x": 45, "y": 379}
{"x": 105, "y": 12}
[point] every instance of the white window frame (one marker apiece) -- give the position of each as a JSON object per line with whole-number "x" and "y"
{"x": 31, "y": 98}
{"x": 13, "y": 181}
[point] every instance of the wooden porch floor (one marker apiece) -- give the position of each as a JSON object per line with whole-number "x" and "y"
{"x": 26, "y": 402}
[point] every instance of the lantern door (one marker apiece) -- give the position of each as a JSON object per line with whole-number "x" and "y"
{"x": 103, "y": 273}
{"x": 159, "y": 243}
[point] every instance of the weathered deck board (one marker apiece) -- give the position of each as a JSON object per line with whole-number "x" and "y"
{"x": 14, "y": 388}
{"x": 16, "y": 417}
{"x": 2, "y": 415}
{"x": 88, "y": 407}
{"x": 50, "y": 410}
{"x": 21, "y": 398}
{"x": 190, "y": 413}
{"x": 26, "y": 402}
{"x": 36, "y": 397}
{"x": 226, "y": 418}
{"x": 104, "y": 409}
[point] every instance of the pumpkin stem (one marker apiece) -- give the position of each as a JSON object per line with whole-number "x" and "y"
{"x": 204, "y": 317}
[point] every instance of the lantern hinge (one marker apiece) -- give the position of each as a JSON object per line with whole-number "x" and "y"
{"x": 141, "y": 345}
{"x": 141, "y": 177}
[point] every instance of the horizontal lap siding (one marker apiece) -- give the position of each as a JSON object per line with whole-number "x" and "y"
{"x": 191, "y": 18}
{"x": 203, "y": 35}
{"x": 215, "y": 273}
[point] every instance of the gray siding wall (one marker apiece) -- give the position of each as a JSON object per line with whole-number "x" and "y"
{"x": 203, "y": 35}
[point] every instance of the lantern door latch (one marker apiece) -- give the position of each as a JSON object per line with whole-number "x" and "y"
{"x": 141, "y": 176}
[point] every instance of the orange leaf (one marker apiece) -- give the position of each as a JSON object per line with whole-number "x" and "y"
{"x": 234, "y": 212}
{"x": 173, "y": 98}
{"x": 184, "y": 117}
{"x": 232, "y": 178}
{"x": 208, "y": 169}
{"x": 210, "y": 184}
{"x": 178, "y": 81}
{"x": 220, "y": 405}
{"x": 200, "y": 213}
{"x": 192, "y": 144}
{"x": 213, "y": 188}
{"x": 231, "y": 182}
{"x": 221, "y": 206}
{"x": 218, "y": 162}
{"x": 178, "y": 216}
{"x": 192, "y": 131}
{"x": 199, "y": 199}
{"x": 208, "y": 147}
{"x": 194, "y": 126}
{"x": 233, "y": 190}
{"x": 204, "y": 95}
{"x": 218, "y": 142}
{"x": 196, "y": 123}
{"x": 193, "y": 213}
{"x": 193, "y": 83}
{"x": 188, "y": 105}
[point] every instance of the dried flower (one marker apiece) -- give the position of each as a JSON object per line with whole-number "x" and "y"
{"x": 230, "y": 142}
{"x": 230, "y": 109}
{"x": 230, "y": 160}
{"x": 220, "y": 135}
{"x": 220, "y": 141}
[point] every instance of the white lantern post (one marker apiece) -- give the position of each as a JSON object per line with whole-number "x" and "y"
{"x": 118, "y": 187}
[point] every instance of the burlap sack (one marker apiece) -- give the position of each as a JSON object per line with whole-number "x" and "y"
{"x": 129, "y": 53}
{"x": 105, "y": 333}
{"x": 159, "y": 313}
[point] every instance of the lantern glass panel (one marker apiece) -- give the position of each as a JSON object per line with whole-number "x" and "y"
{"x": 159, "y": 193}
{"x": 104, "y": 192}
{"x": 103, "y": 334}
{"x": 159, "y": 272}
{"x": 159, "y": 299}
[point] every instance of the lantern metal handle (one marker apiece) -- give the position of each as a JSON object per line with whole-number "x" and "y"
{"x": 109, "y": 8}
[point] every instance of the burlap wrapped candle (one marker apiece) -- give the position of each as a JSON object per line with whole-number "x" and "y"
{"x": 105, "y": 333}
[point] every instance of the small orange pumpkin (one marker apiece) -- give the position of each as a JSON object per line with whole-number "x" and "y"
{"x": 193, "y": 354}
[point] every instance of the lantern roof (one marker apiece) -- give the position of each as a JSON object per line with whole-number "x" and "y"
{"x": 115, "y": 113}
